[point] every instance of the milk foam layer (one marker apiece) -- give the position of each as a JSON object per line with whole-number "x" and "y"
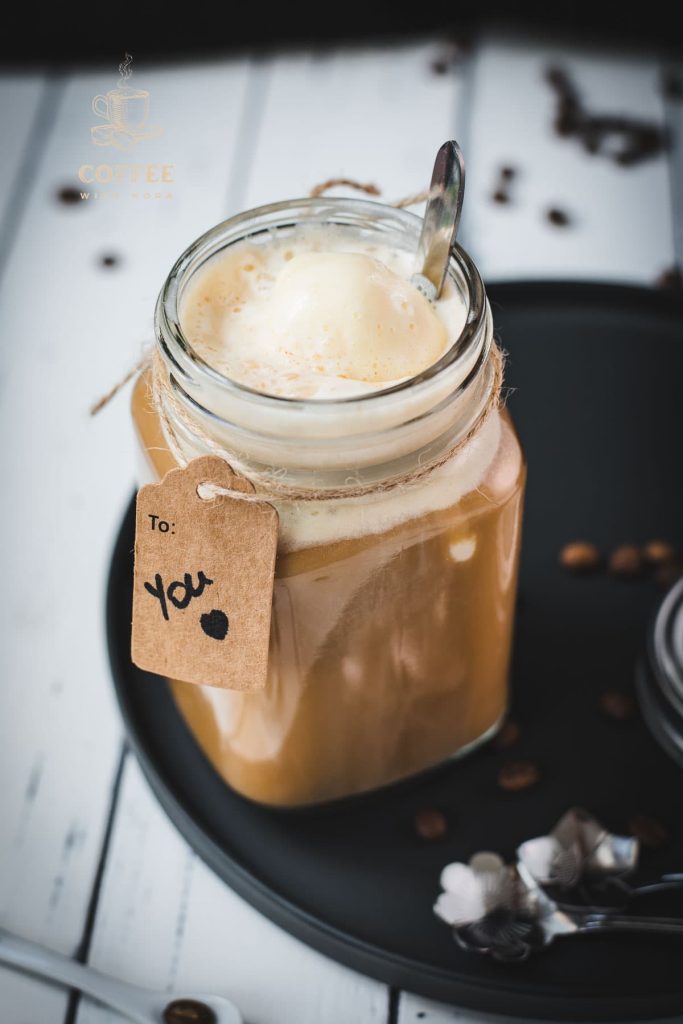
{"x": 318, "y": 315}
{"x": 257, "y": 314}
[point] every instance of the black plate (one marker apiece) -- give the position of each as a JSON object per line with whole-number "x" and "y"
{"x": 596, "y": 372}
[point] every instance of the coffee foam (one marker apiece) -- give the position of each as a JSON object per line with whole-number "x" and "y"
{"x": 222, "y": 316}
{"x": 321, "y": 314}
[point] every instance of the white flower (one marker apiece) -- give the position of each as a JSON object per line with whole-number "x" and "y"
{"x": 539, "y": 856}
{"x": 577, "y": 846}
{"x": 473, "y": 890}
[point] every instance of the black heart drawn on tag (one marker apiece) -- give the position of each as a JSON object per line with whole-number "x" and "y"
{"x": 215, "y": 624}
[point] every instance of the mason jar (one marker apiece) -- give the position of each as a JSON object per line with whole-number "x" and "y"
{"x": 399, "y": 533}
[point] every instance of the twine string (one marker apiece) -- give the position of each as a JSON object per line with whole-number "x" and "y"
{"x": 326, "y": 186}
{"x": 207, "y": 491}
{"x": 143, "y": 363}
{"x": 163, "y": 398}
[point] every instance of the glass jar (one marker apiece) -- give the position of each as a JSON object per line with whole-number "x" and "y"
{"x": 398, "y": 548}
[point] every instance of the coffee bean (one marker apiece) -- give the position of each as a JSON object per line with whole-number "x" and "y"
{"x": 189, "y": 1011}
{"x": 625, "y": 140}
{"x": 430, "y": 824}
{"x": 506, "y": 737}
{"x": 558, "y": 217}
{"x": 659, "y": 552}
{"x": 500, "y": 194}
{"x": 452, "y": 54}
{"x": 559, "y": 80}
{"x": 69, "y": 195}
{"x": 564, "y": 124}
{"x": 626, "y": 561}
{"x": 648, "y": 831}
{"x": 617, "y": 704}
{"x": 568, "y": 116}
{"x": 568, "y": 113}
{"x": 518, "y": 775}
{"x": 641, "y": 141}
{"x": 591, "y": 143}
{"x": 580, "y": 557}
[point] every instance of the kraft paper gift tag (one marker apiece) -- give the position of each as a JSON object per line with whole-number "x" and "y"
{"x": 204, "y": 573}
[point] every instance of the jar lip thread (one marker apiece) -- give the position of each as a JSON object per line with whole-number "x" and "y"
{"x": 182, "y": 359}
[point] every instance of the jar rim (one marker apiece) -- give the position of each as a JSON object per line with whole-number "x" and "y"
{"x": 176, "y": 349}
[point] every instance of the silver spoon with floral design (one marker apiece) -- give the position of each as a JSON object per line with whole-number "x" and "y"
{"x": 583, "y": 865}
{"x": 498, "y": 909}
{"x": 506, "y": 911}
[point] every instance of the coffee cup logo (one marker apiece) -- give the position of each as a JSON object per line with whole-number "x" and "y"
{"x": 125, "y": 112}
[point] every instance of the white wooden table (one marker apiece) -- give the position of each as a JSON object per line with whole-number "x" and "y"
{"x": 89, "y": 864}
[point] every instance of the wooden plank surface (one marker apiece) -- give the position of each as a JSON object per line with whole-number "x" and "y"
{"x": 620, "y": 217}
{"x": 373, "y": 115}
{"x": 70, "y": 327}
{"x": 167, "y": 921}
{"x": 20, "y": 103}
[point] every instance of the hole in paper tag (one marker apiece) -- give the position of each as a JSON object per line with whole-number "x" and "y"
{"x": 204, "y": 569}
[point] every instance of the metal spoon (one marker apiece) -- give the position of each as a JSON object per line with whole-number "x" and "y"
{"x": 142, "y": 1005}
{"x": 621, "y": 895}
{"x": 501, "y": 910}
{"x": 584, "y": 867}
{"x": 513, "y": 935}
{"x": 441, "y": 219}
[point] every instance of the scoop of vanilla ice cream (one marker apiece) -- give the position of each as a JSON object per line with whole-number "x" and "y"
{"x": 319, "y": 313}
{"x": 352, "y": 313}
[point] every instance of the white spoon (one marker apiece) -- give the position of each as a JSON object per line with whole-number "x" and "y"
{"x": 142, "y": 1005}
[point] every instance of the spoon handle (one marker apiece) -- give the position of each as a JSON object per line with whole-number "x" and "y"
{"x": 28, "y": 956}
{"x": 617, "y": 923}
{"x": 442, "y": 216}
{"x": 667, "y": 883}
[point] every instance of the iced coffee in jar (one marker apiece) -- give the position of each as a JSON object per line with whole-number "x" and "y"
{"x": 291, "y": 341}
